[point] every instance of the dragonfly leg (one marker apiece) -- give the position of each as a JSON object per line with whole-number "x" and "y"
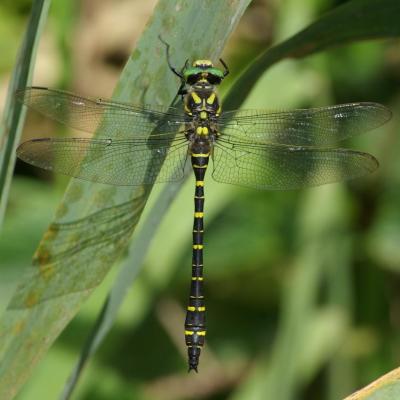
{"x": 171, "y": 67}
{"x": 226, "y": 71}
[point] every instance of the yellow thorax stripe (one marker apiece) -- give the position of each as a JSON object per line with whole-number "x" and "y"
{"x": 196, "y": 98}
{"x": 211, "y": 99}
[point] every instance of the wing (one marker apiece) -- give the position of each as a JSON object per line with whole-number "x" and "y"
{"x": 303, "y": 127}
{"x": 281, "y": 167}
{"x": 110, "y": 118}
{"x": 111, "y": 161}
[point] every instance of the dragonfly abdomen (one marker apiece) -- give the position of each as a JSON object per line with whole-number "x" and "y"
{"x": 195, "y": 322}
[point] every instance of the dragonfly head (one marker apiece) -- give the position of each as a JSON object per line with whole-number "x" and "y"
{"x": 203, "y": 71}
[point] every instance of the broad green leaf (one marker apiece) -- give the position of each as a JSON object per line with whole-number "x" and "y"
{"x": 13, "y": 117}
{"x": 354, "y": 20}
{"x": 94, "y": 222}
{"x": 386, "y": 387}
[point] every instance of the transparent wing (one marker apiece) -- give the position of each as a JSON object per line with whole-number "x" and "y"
{"x": 281, "y": 167}
{"x": 110, "y": 118}
{"x": 303, "y": 127}
{"x": 111, "y": 161}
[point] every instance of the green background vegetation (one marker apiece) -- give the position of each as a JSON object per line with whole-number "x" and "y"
{"x": 302, "y": 287}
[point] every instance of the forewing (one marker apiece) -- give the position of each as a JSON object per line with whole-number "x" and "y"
{"x": 108, "y": 118}
{"x": 303, "y": 127}
{"x": 111, "y": 161}
{"x": 281, "y": 167}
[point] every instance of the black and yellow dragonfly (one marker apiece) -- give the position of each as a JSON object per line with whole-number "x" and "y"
{"x": 140, "y": 145}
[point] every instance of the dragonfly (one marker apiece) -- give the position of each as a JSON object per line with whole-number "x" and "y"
{"x": 141, "y": 145}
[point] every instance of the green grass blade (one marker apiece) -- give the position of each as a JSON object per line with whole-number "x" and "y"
{"x": 13, "y": 115}
{"x": 354, "y": 20}
{"x": 386, "y": 387}
{"x": 93, "y": 224}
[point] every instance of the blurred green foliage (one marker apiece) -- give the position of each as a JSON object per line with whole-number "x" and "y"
{"x": 10, "y": 31}
{"x": 336, "y": 248}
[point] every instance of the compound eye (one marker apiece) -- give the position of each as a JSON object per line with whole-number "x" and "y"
{"x": 213, "y": 79}
{"x": 193, "y": 78}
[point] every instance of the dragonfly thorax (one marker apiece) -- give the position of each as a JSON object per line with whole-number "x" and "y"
{"x": 203, "y": 109}
{"x": 202, "y": 102}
